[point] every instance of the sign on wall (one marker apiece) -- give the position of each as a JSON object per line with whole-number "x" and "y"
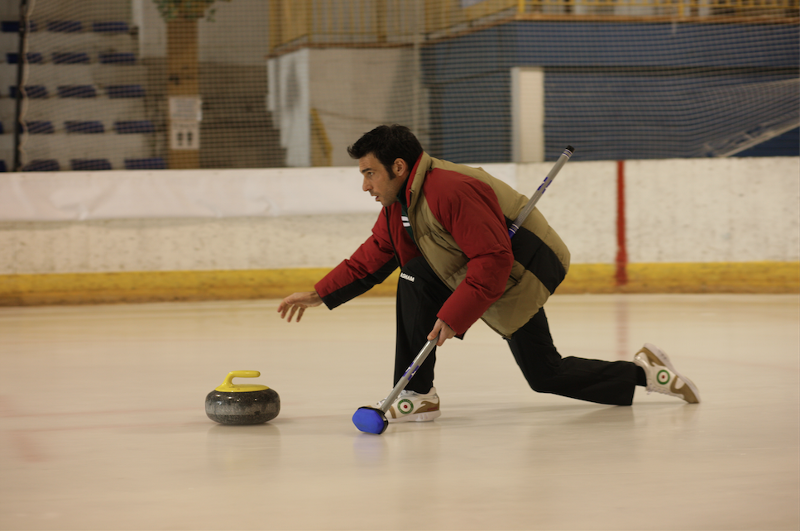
{"x": 185, "y": 115}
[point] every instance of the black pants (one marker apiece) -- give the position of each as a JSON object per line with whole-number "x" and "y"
{"x": 420, "y": 295}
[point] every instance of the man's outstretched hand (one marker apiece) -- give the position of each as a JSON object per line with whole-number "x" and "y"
{"x": 297, "y": 303}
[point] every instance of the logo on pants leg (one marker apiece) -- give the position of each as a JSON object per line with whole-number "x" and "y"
{"x": 407, "y": 277}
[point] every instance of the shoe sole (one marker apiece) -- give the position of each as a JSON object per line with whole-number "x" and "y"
{"x": 427, "y": 416}
{"x": 663, "y": 358}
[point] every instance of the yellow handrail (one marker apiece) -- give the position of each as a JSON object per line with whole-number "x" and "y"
{"x": 366, "y": 22}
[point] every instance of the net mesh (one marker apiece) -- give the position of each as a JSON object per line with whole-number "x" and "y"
{"x": 153, "y": 84}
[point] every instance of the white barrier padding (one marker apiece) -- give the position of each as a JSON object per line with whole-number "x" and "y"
{"x": 76, "y": 196}
{"x": 699, "y": 210}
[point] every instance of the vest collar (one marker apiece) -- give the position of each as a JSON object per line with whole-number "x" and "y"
{"x": 416, "y": 179}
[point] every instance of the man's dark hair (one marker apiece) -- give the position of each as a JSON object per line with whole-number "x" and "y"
{"x": 388, "y": 143}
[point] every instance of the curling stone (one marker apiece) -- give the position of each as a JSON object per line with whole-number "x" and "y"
{"x": 242, "y": 404}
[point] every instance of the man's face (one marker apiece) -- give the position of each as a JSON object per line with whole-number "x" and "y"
{"x": 377, "y": 181}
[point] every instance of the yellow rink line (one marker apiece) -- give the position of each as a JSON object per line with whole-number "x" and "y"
{"x": 151, "y": 286}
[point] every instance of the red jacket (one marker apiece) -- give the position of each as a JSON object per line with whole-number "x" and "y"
{"x": 469, "y": 211}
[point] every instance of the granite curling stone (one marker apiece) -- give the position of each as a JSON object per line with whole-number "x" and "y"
{"x": 242, "y": 404}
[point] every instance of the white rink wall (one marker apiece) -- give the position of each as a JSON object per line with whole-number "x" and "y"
{"x": 698, "y": 210}
{"x": 714, "y": 210}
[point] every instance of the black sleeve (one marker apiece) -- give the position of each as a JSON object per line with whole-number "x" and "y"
{"x": 360, "y": 285}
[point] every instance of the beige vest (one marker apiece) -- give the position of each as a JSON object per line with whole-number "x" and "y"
{"x": 524, "y": 293}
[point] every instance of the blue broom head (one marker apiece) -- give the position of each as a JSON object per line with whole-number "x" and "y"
{"x": 370, "y": 420}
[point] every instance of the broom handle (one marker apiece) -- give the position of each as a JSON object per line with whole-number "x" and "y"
{"x": 412, "y": 369}
{"x": 540, "y": 191}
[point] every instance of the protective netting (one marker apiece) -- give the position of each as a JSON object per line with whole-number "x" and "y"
{"x": 150, "y": 84}
{"x": 131, "y": 84}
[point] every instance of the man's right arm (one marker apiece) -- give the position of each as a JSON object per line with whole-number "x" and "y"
{"x": 371, "y": 264}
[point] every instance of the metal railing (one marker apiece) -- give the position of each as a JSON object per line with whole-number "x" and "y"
{"x": 391, "y": 22}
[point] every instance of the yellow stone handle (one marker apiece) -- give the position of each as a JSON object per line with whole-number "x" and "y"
{"x": 240, "y": 374}
{"x": 229, "y": 386}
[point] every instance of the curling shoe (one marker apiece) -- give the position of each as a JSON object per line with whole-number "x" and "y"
{"x": 411, "y": 406}
{"x": 662, "y": 376}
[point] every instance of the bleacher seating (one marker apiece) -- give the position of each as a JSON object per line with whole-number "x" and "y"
{"x": 125, "y": 91}
{"x": 128, "y": 127}
{"x": 84, "y": 127}
{"x": 90, "y": 164}
{"x": 98, "y": 90}
{"x": 118, "y": 58}
{"x": 33, "y": 58}
{"x": 70, "y": 58}
{"x": 39, "y": 127}
{"x": 153, "y": 163}
{"x": 76, "y": 91}
{"x": 110, "y": 27}
{"x": 65, "y": 26}
{"x": 31, "y": 91}
{"x": 12, "y": 26}
{"x": 42, "y": 165}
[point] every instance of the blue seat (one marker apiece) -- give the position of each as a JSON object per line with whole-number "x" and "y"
{"x": 154, "y": 163}
{"x": 134, "y": 126}
{"x": 1, "y": 128}
{"x": 32, "y": 57}
{"x": 125, "y": 91}
{"x": 12, "y": 26}
{"x": 110, "y": 27}
{"x": 90, "y": 164}
{"x": 84, "y": 127}
{"x": 117, "y": 58}
{"x": 42, "y": 165}
{"x": 70, "y": 58}
{"x": 39, "y": 127}
{"x": 3, "y": 166}
{"x": 31, "y": 91}
{"x": 65, "y": 26}
{"x": 76, "y": 91}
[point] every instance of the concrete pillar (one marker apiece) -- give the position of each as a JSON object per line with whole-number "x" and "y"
{"x": 527, "y": 111}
